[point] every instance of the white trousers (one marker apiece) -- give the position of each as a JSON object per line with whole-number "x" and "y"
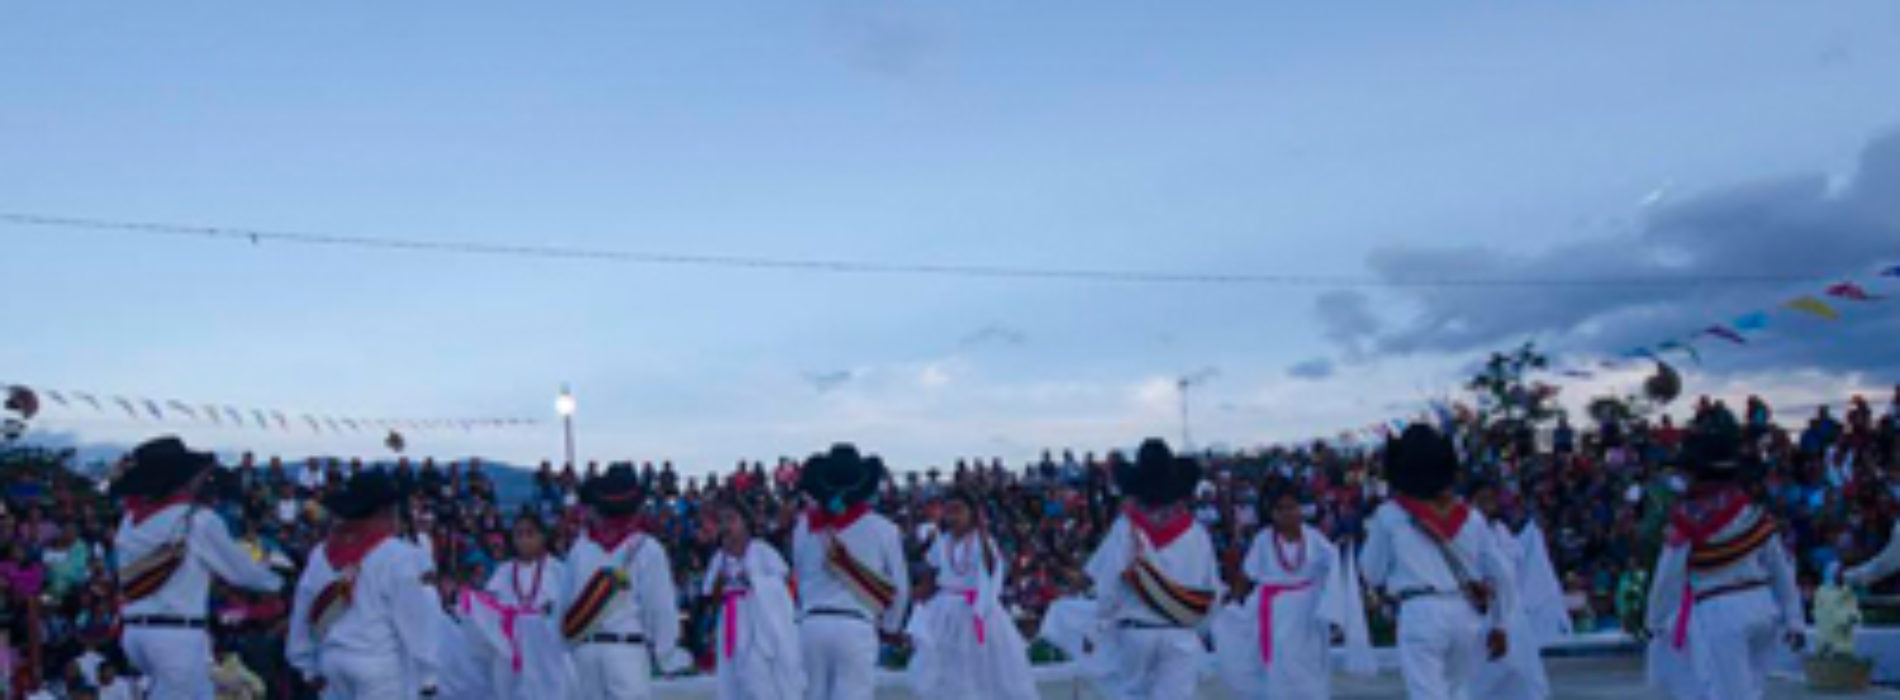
{"x": 840, "y": 657}
{"x": 363, "y": 677}
{"x": 1732, "y": 640}
{"x": 1157, "y": 664}
{"x": 176, "y": 661}
{"x": 749, "y": 677}
{"x": 613, "y": 672}
{"x": 1441, "y": 642}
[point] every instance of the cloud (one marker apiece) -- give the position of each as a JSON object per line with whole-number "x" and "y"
{"x": 1316, "y": 368}
{"x": 1798, "y": 227}
{"x": 881, "y": 39}
{"x": 994, "y": 333}
{"x": 827, "y": 381}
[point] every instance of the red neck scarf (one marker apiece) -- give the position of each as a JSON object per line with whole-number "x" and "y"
{"x": 1444, "y": 522}
{"x": 352, "y": 540}
{"x": 1706, "y": 512}
{"x": 141, "y": 508}
{"x": 820, "y": 519}
{"x": 1160, "y": 533}
{"x": 609, "y": 532}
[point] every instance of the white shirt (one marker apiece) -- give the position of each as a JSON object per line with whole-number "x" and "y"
{"x": 1769, "y": 563}
{"x": 1879, "y": 567}
{"x": 1400, "y": 557}
{"x": 392, "y": 612}
{"x": 514, "y": 583}
{"x": 875, "y": 542}
{"x": 652, "y": 609}
{"x": 286, "y": 510}
{"x": 1188, "y": 560}
{"x": 120, "y": 689}
{"x": 209, "y": 551}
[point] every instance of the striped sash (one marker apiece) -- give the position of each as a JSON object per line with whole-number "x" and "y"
{"x": 1747, "y": 535}
{"x": 597, "y": 596}
{"x": 331, "y": 603}
{"x": 1174, "y": 602}
{"x": 143, "y": 578}
{"x": 865, "y": 583}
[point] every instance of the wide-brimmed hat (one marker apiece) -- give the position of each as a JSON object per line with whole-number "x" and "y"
{"x": 616, "y": 491}
{"x": 161, "y": 467}
{"x": 366, "y": 493}
{"x": 1157, "y": 477}
{"x": 1713, "y": 450}
{"x": 842, "y": 476}
{"x": 1420, "y": 462}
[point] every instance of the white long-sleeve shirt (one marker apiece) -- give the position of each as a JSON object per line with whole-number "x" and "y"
{"x": 1312, "y": 563}
{"x": 875, "y": 542}
{"x": 652, "y": 609}
{"x": 1769, "y": 563}
{"x": 1401, "y": 557}
{"x": 209, "y": 552}
{"x": 1188, "y": 560}
{"x": 514, "y": 583}
{"x": 392, "y": 612}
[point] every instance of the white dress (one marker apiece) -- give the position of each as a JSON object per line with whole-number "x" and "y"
{"x": 535, "y": 662}
{"x": 1304, "y": 584}
{"x": 756, "y": 643}
{"x": 1519, "y": 675}
{"x": 967, "y": 643}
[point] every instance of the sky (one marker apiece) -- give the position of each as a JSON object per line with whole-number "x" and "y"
{"x": 1388, "y": 143}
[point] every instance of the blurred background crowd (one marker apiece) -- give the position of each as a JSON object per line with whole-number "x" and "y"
{"x": 1597, "y": 490}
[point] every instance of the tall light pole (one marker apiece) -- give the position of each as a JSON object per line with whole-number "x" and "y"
{"x": 564, "y": 405}
{"x": 1183, "y": 384}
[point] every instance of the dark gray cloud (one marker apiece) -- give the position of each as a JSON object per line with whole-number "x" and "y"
{"x": 994, "y": 333}
{"x": 1792, "y": 226}
{"x": 1316, "y": 368}
{"x": 880, "y": 38}
{"x": 827, "y": 381}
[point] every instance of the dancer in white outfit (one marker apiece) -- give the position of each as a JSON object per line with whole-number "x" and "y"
{"x": 967, "y": 644}
{"x": 526, "y": 593}
{"x": 1519, "y": 675}
{"x": 1424, "y": 548}
{"x": 1724, "y": 594}
{"x": 1156, "y": 579}
{"x": 621, "y": 610}
{"x": 364, "y": 621}
{"x": 1279, "y": 643}
{"x": 852, "y": 577}
{"x": 756, "y": 645}
{"x": 170, "y": 551}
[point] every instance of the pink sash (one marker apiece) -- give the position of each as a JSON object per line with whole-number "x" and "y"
{"x": 969, "y": 598}
{"x": 729, "y": 618}
{"x": 507, "y": 613}
{"x": 1268, "y": 592}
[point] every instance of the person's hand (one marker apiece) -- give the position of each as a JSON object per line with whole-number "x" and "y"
{"x": 1497, "y": 644}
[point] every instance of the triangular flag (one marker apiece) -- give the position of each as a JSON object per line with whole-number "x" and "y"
{"x": 332, "y": 423}
{"x": 211, "y": 412}
{"x": 1752, "y": 321}
{"x": 126, "y": 404}
{"x": 257, "y": 414}
{"x": 180, "y": 407}
{"x": 90, "y": 400}
{"x": 1726, "y": 333}
{"x": 152, "y": 406}
{"x": 1686, "y": 348}
{"x": 315, "y": 427}
{"x": 282, "y": 423}
{"x": 56, "y": 397}
{"x": 1851, "y": 291}
{"x": 1814, "y": 306}
{"x": 1639, "y": 353}
{"x": 237, "y": 418}
{"x": 1891, "y": 272}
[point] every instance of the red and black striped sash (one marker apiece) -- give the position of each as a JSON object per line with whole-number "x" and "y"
{"x": 1713, "y": 554}
{"x": 865, "y": 583}
{"x": 331, "y": 603}
{"x": 1176, "y": 603}
{"x": 145, "y": 577}
{"x": 591, "y": 605}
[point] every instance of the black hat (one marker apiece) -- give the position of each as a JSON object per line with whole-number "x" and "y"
{"x": 1157, "y": 477}
{"x": 1713, "y": 451}
{"x": 841, "y": 476}
{"x": 161, "y": 467}
{"x": 366, "y": 493}
{"x": 1421, "y": 462}
{"x": 613, "y": 492}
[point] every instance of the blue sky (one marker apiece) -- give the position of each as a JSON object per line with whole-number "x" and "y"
{"x": 1226, "y": 137}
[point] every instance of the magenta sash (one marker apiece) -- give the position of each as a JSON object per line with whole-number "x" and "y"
{"x": 729, "y": 618}
{"x": 1268, "y": 592}
{"x": 507, "y": 613}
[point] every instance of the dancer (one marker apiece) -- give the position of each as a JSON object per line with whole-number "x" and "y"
{"x": 171, "y": 550}
{"x": 852, "y": 577}
{"x": 1281, "y": 646}
{"x": 1519, "y": 675}
{"x": 967, "y": 644}
{"x": 1724, "y": 591}
{"x": 1156, "y": 579}
{"x": 620, "y": 597}
{"x": 525, "y": 593}
{"x": 1442, "y": 565}
{"x": 756, "y": 646}
{"x": 364, "y": 620}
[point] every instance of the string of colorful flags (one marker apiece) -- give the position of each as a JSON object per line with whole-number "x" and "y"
{"x": 1742, "y": 330}
{"x": 30, "y": 401}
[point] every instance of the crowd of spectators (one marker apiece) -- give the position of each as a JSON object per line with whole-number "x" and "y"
{"x": 1598, "y": 493}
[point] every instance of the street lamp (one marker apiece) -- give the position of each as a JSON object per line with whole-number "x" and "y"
{"x": 1183, "y": 384}
{"x": 564, "y": 405}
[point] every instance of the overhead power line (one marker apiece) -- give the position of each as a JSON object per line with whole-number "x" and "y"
{"x": 842, "y": 266}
